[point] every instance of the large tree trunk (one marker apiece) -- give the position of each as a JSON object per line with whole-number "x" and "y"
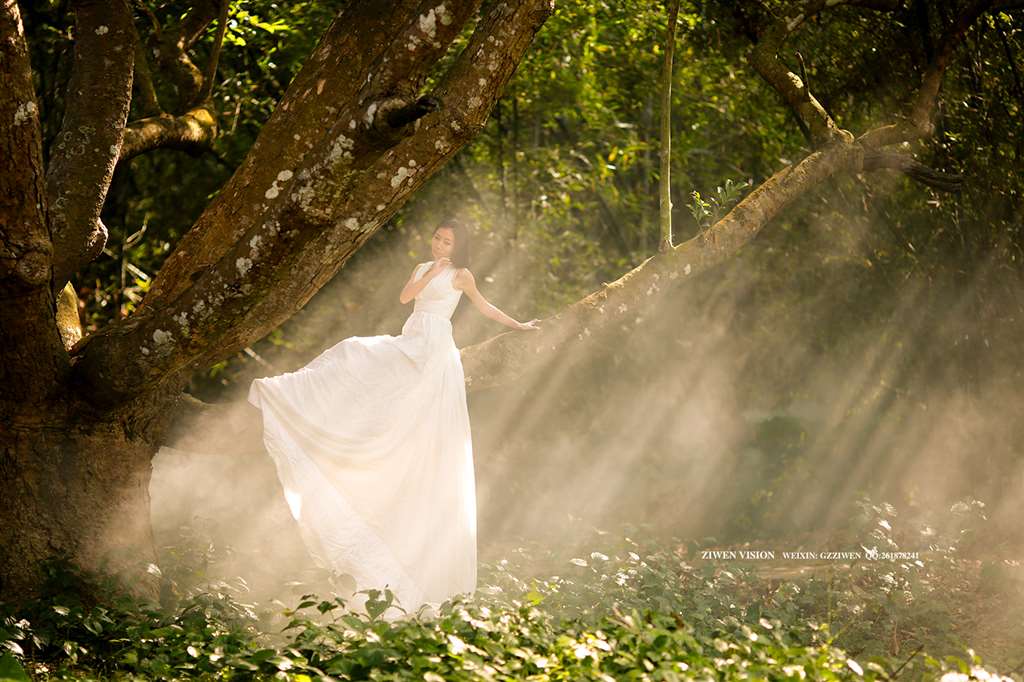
{"x": 76, "y": 485}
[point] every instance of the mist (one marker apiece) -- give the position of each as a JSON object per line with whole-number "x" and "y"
{"x": 760, "y": 405}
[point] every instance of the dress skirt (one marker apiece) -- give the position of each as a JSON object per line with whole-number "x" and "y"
{"x": 372, "y": 445}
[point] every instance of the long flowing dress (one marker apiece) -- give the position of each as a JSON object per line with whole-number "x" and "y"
{"x": 371, "y": 441}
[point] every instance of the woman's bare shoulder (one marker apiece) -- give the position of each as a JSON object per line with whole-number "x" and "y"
{"x": 462, "y": 277}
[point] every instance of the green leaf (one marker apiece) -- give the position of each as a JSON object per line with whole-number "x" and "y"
{"x": 11, "y": 670}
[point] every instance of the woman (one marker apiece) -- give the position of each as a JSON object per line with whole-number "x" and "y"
{"x": 372, "y": 442}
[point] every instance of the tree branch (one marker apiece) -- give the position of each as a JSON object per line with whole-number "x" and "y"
{"x": 794, "y": 89}
{"x": 507, "y": 356}
{"x": 918, "y": 122}
{"x": 86, "y": 149}
{"x": 149, "y": 103}
{"x": 192, "y": 131}
{"x": 171, "y": 46}
{"x": 211, "y": 66}
{"x": 280, "y": 239}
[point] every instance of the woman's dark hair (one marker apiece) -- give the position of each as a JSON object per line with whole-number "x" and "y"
{"x": 463, "y": 239}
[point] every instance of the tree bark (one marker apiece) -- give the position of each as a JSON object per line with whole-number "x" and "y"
{"x": 88, "y": 145}
{"x": 32, "y": 356}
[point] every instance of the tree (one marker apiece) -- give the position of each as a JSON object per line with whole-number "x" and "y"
{"x": 352, "y": 138}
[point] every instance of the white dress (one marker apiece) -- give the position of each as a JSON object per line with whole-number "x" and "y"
{"x": 372, "y": 445}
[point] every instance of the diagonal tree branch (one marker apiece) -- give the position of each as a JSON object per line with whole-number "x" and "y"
{"x": 32, "y": 357}
{"x": 266, "y": 246}
{"x": 508, "y": 356}
{"x": 330, "y": 77}
{"x": 86, "y": 149}
{"x": 794, "y": 89}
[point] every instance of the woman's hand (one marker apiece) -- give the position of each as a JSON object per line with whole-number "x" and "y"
{"x": 439, "y": 265}
{"x": 532, "y": 325}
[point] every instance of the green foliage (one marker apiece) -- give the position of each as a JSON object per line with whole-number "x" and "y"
{"x": 625, "y": 610}
{"x": 707, "y": 213}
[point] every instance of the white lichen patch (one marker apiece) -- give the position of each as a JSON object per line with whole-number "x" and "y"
{"x": 428, "y": 24}
{"x": 304, "y": 196}
{"x": 370, "y": 112}
{"x": 296, "y": 137}
{"x": 284, "y": 176}
{"x": 474, "y": 102}
{"x": 687, "y": 269}
{"x": 412, "y": 163}
{"x": 102, "y": 30}
{"x": 24, "y": 112}
{"x": 622, "y": 308}
{"x": 381, "y": 207}
{"x": 113, "y": 149}
{"x": 272, "y": 191}
{"x": 352, "y": 124}
{"x": 254, "y": 242}
{"x": 243, "y": 265}
{"x": 441, "y": 145}
{"x": 481, "y": 82}
{"x": 320, "y": 85}
{"x": 182, "y": 320}
{"x": 352, "y": 224}
{"x": 161, "y": 337}
{"x": 443, "y": 15}
{"x": 200, "y": 309}
{"x": 340, "y": 148}
{"x": 400, "y": 176}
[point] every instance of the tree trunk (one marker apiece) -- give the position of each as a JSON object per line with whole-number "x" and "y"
{"x": 75, "y": 486}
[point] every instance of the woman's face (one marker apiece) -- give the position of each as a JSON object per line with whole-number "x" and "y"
{"x": 443, "y": 243}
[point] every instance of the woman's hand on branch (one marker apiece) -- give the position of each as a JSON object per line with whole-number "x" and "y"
{"x": 532, "y": 325}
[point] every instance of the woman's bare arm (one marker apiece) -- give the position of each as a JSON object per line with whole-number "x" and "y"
{"x": 465, "y": 281}
{"x": 414, "y": 286}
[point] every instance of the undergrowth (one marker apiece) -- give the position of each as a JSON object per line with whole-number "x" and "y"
{"x": 628, "y": 609}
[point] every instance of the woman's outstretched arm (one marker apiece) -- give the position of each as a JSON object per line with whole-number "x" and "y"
{"x": 464, "y": 280}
